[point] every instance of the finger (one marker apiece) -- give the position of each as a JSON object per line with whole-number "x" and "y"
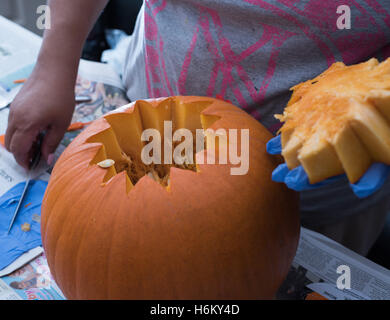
{"x": 297, "y": 179}
{"x": 274, "y": 146}
{"x": 372, "y": 180}
{"x": 279, "y": 174}
{"x": 20, "y": 146}
{"x": 51, "y": 141}
{"x": 8, "y": 135}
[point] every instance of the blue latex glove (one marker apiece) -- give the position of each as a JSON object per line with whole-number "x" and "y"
{"x": 17, "y": 242}
{"x": 297, "y": 179}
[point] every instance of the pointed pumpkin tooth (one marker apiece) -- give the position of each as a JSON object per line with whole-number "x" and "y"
{"x": 108, "y": 139}
{"x": 127, "y": 127}
{"x": 372, "y": 129}
{"x": 319, "y": 158}
{"x": 353, "y": 155}
{"x": 207, "y": 120}
{"x": 154, "y": 114}
{"x": 187, "y": 114}
{"x": 100, "y": 157}
{"x": 291, "y": 149}
{"x": 381, "y": 100}
{"x": 285, "y": 136}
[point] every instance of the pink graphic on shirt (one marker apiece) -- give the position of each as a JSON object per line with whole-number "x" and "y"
{"x": 228, "y": 62}
{"x": 379, "y": 9}
{"x": 157, "y": 80}
{"x": 186, "y": 64}
{"x": 306, "y": 29}
{"x": 323, "y": 15}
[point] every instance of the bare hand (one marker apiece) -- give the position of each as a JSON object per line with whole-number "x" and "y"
{"x": 43, "y": 104}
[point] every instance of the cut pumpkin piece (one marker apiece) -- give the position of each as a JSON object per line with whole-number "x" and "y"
{"x": 339, "y": 122}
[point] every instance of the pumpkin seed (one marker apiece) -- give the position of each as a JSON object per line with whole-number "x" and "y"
{"x": 106, "y": 163}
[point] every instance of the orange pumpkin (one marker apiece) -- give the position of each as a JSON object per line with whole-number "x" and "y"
{"x": 118, "y": 232}
{"x": 339, "y": 122}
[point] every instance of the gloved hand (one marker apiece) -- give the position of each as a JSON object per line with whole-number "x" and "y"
{"x": 297, "y": 179}
{"x": 17, "y": 242}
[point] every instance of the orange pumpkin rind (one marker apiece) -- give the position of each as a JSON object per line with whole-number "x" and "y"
{"x": 206, "y": 235}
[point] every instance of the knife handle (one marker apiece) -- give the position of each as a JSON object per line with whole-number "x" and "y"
{"x": 36, "y": 151}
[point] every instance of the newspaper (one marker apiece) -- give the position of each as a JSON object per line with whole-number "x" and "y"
{"x": 17, "y": 57}
{"x": 11, "y": 173}
{"x": 33, "y": 281}
{"x": 21, "y": 261}
{"x": 316, "y": 267}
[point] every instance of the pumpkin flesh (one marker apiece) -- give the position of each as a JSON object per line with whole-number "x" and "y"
{"x": 338, "y": 122}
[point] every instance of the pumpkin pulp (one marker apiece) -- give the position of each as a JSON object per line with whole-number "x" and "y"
{"x": 339, "y": 122}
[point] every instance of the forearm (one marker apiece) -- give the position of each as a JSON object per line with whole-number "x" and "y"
{"x": 71, "y": 21}
{"x": 46, "y": 100}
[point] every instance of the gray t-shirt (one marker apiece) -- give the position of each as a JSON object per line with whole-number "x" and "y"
{"x": 251, "y": 52}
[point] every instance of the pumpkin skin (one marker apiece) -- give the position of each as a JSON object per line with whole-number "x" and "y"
{"x": 339, "y": 122}
{"x": 208, "y": 235}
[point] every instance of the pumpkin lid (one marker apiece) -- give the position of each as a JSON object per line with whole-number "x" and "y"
{"x": 338, "y": 122}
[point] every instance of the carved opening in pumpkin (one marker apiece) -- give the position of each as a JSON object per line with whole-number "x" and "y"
{"x": 122, "y": 140}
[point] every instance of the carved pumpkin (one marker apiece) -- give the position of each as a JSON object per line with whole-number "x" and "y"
{"x": 339, "y": 122}
{"x": 126, "y": 231}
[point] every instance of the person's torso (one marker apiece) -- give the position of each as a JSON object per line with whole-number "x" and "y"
{"x": 250, "y": 52}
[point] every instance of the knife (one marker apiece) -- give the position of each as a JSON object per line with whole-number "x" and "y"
{"x": 32, "y": 165}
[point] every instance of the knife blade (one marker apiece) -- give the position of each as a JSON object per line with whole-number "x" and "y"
{"x": 32, "y": 165}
